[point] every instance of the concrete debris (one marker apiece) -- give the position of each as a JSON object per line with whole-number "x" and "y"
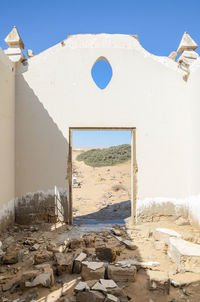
{"x": 185, "y": 254}
{"x": 159, "y": 282}
{"x": 122, "y": 274}
{"x": 138, "y": 264}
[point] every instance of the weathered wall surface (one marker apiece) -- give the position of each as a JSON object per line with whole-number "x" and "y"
{"x": 55, "y": 91}
{"x": 7, "y": 142}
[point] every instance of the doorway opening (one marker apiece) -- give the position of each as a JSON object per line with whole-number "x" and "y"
{"x": 102, "y": 174}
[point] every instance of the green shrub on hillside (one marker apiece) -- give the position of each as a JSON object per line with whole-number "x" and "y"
{"x": 106, "y": 157}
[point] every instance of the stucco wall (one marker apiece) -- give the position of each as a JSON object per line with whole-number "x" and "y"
{"x": 55, "y": 91}
{"x": 7, "y": 144}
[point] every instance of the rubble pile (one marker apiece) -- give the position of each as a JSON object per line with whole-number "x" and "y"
{"x": 118, "y": 265}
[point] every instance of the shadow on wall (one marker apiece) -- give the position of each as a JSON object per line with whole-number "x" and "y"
{"x": 41, "y": 148}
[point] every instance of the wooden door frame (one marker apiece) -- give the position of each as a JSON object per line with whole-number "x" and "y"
{"x": 133, "y": 166}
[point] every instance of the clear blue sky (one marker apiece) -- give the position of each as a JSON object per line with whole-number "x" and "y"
{"x": 160, "y": 24}
{"x": 100, "y": 138}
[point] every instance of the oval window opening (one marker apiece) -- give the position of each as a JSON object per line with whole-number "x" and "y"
{"x": 102, "y": 73}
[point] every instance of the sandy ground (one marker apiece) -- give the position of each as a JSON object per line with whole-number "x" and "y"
{"x": 98, "y": 186}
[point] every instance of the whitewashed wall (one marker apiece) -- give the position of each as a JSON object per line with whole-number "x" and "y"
{"x": 55, "y": 91}
{"x": 7, "y": 142}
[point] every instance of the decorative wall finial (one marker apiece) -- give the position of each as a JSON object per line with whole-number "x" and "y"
{"x": 15, "y": 46}
{"x": 186, "y": 48}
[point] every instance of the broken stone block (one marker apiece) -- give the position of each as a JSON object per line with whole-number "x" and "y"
{"x": 76, "y": 243}
{"x": 92, "y": 270}
{"x": 91, "y": 296}
{"x": 159, "y": 282}
{"x": 111, "y": 298}
{"x": 8, "y": 242}
{"x": 122, "y": 274}
{"x": 108, "y": 283}
{"x": 81, "y": 286}
{"x": 119, "y": 293}
{"x": 106, "y": 254}
{"x": 64, "y": 263}
{"x": 43, "y": 279}
{"x": 43, "y": 256}
{"x": 78, "y": 263}
{"x": 41, "y": 275}
{"x": 99, "y": 286}
{"x": 163, "y": 234}
{"x": 116, "y": 232}
{"x": 35, "y": 247}
{"x": 53, "y": 247}
{"x": 89, "y": 240}
{"x": 129, "y": 244}
{"x": 13, "y": 254}
{"x": 185, "y": 254}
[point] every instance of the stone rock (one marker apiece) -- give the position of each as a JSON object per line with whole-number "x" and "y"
{"x": 185, "y": 254}
{"x": 163, "y": 234}
{"x": 43, "y": 279}
{"x": 13, "y": 254}
{"x": 91, "y": 296}
{"x": 81, "y": 286}
{"x": 35, "y": 247}
{"x": 122, "y": 275}
{"x": 182, "y": 221}
{"x": 76, "y": 243}
{"x": 111, "y": 298}
{"x": 108, "y": 283}
{"x": 8, "y": 241}
{"x": 41, "y": 275}
{"x": 55, "y": 248}
{"x": 106, "y": 254}
{"x": 184, "y": 279}
{"x": 64, "y": 263}
{"x": 43, "y": 256}
{"x": 129, "y": 244}
{"x": 99, "y": 286}
{"x": 116, "y": 232}
{"x": 119, "y": 293}
{"x": 158, "y": 282}
{"x": 89, "y": 240}
{"x": 78, "y": 263}
{"x": 92, "y": 271}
